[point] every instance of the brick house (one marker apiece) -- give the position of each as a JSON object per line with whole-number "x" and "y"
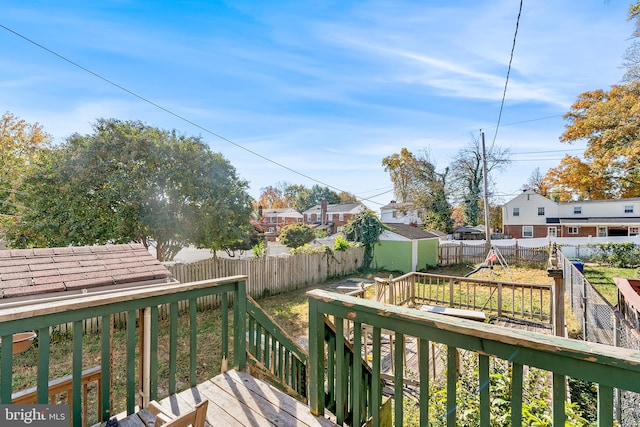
{"x": 333, "y": 217}
{"x": 273, "y": 220}
{"x": 531, "y": 215}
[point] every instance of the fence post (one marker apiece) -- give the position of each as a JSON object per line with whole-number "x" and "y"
{"x": 617, "y": 395}
{"x": 556, "y": 272}
{"x": 585, "y": 302}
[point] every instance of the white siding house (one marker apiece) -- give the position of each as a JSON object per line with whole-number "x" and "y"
{"x": 531, "y": 215}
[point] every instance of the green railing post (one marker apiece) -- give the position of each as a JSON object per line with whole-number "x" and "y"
{"x": 193, "y": 339}
{"x": 131, "y": 362}
{"x": 240, "y": 325}
{"x": 6, "y": 376}
{"x": 485, "y": 396}
{"x": 316, "y": 359}
{"x": 76, "y": 400}
{"x": 452, "y": 379}
{"x": 105, "y": 360}
{"x": 43, "y": 365}
{"x": 559, "y": 396}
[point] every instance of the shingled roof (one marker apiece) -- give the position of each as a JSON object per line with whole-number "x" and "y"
{"x": 26, "y": 272}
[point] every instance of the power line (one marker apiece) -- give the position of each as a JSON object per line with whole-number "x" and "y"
{"x": 504, "y": 92}
{"x": 172, "y": 113}
{"x": 547, "y": 151}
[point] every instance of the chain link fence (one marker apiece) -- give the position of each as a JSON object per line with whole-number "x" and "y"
{"x": 602, "y": 323}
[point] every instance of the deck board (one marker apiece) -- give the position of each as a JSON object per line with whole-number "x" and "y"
{"x": 238, "y": 399}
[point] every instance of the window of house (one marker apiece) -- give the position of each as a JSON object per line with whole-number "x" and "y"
{"x": 628, "y": 208}
{"x": 552, "y": 232}
{"x": 577, "y": 210}
{"x": 633, "y": 231}
{"x": 341, "y": 217}
{"x": 516, "y": 211}
{"x": 573, "y": 230}
{"x": 602, "y": 231}
{"x": 541, "y": 211}
{"x": 527, "y": 231}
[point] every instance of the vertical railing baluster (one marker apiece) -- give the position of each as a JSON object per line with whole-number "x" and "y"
{"x": 452, "y": 379}
{"x": 376, "y": 388}
{"x": 105, "y": 367}
{"x": 340, "y": 372}
{"x": 131, "y": 360}
{"x": 423, "y": 367}
{"x": 6, "y": 376}
{"x": 516, "y": 394}
{"x": 398, "y": 378}
{"x": 224, "y": 302}
{"x": 332, "y": 351}
{"x": 173, "y": 345}
{"x": 43, "y": 365}
{"x": 484, "y": 383}
{"x": 316, "y": 359}
{"x": 193, "y": 341}
{"x": 76, "y": 403}
{"x": 605, "y": 406}
{"x": 240, "y": 325}
{"x": 559, "y": 395}
{"x": 356, "y": 390}
{"x": 153, "y": 360}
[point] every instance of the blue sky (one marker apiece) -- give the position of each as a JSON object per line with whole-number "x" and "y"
{"x": 325, "y": 88}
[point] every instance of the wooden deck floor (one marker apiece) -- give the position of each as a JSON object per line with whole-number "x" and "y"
{"x": 238, "y": 399}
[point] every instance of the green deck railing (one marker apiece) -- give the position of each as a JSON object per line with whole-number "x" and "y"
{"x": 525, "y": 301}
{"x": 606, "y": 366}
{"x": 274, "y": 353}
{"x": 141, "y": 305}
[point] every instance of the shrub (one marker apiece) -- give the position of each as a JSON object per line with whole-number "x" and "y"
{"x": 296, "y": 235}
{"x": 621, "y": 255}
{"x": 341, "y": 244}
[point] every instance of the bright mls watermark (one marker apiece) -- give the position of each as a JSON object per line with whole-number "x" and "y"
{"x": 35, "y": 415}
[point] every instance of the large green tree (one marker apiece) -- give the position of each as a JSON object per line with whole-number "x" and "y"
{"x": 417, "y": 184}
{"x": 307, "y": 198}
{"x": 131, "y": 182}
{"x": 20, "y": 146}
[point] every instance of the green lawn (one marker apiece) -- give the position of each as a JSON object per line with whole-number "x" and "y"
{"x": 602, "y": 279}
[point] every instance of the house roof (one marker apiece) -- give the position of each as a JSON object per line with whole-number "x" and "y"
{"x": 344, "y": 208}
{"x": 281, "y": 212}
{"x": 25, "y": 272}
{"x": 409, "y": 231}
{"x": 470, "y": 230}
{"x": 595, "y": 220}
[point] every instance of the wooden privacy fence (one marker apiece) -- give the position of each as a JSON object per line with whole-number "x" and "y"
{"x": 462, "y": 252}
{"x": 273, "y": 275}
{"x": 503, "y": 299}
{"x": 267, "y": 276}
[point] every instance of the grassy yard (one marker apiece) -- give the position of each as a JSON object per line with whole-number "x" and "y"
{"x": 602, "y": 279}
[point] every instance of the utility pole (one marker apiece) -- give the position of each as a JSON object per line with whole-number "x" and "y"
{"x": 487, "y": 223}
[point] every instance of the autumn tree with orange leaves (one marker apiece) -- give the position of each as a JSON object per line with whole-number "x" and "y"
{"x": 608, "y": 121}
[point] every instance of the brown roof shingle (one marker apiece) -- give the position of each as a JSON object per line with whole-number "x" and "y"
{"x": 26, "y": 272}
